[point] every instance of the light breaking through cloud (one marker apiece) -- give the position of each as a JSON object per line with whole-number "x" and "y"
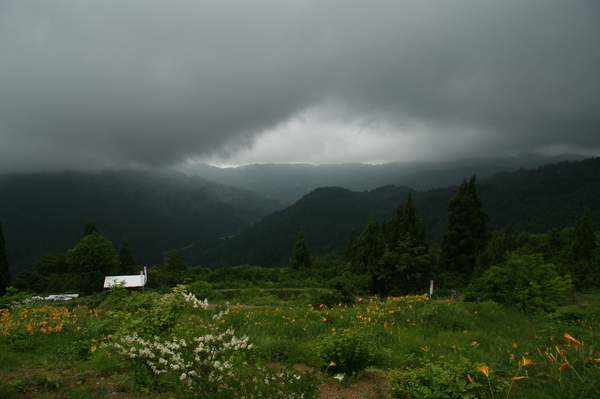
{"x": 111, "y": 83}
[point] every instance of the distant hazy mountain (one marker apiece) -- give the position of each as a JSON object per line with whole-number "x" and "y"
{"x": 289, "y": 182}
{"x": 551, "y": 196}
{"x": 156, "y": 211}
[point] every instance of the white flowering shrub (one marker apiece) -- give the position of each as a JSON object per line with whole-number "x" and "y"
{"x": 204, "y": 361}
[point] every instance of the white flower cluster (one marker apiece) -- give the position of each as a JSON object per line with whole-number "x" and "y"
{"x": 209, "y": 358}
{"x": 206, "y": 363}
{"x": 196, "y": 303}
{"x": 221, "y": 313}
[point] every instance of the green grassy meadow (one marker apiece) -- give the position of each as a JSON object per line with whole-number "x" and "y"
{"x": 425, "y": 348}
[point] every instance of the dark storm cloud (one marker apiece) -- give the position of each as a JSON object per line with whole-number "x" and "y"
{"x": 98, "y": 83}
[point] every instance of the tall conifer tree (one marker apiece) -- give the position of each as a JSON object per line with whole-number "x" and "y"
{"x": 300, "y": 254}
{"x": 370, "y": 249}
{"x": 584, "y": 268}
{"x": 127, "y": 263}
{"x": 466, "y": 234}
{"x": 90, "y": 228}
{"x": 584, "y": 240}
{"x": 174, "y": 261}
{"x": 4, "y": 269}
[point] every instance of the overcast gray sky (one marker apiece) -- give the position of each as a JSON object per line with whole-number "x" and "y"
{"x": 96, "y": 83}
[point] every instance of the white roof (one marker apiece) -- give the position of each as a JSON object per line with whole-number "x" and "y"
{"x": 135, "y": 280}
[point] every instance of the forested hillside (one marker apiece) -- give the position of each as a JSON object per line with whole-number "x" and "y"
{"x": 326, "y": 216}
{"x": 156, "y": 211}
{"x": 220, "y": 225}
{"x": 552, "y": 196}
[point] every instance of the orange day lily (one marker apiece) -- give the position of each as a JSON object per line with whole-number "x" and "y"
{"x": 563, "y": 366}
{"x": 526, "y": 362}
{"x": 485, "y": 370}
{"x": 570, "y": 338}
{"x": 518, "y": 378}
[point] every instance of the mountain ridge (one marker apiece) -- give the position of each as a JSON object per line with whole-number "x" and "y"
{"x": 289, "y": 182}
{"x": 551, "y": 196}
{"x": 160, "y": 210}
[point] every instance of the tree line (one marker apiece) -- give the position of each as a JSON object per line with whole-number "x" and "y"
{"x": 389, "y": 257}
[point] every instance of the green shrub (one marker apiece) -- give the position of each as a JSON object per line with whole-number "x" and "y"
{"x": 584, "y": 314}
{"x": 523, "y": 281}
{"x": 14, "y": 297}
{"x": 348, "y": 352}
{"x": 201, "y": 289}
{"x": 442, "y": 379}
{"x": 328, "y": 298}
{"x": 446, "y": 317}
{"x": 105, "y": 363}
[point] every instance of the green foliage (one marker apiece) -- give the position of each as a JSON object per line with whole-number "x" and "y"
{"x": 406, "y": 222}
{"x": 7, "y": 391}
{"x": 201, "y": 289}
{"x": 345, "y": 287}
{"x": 406, "y": 269}
{"x": 348, "y": 352}
{"x": 584, "y": 263}
{"x": 466, "y": 234}
{"x": 394, "y": 255}
{"x": 174, "y": 262}
{"x": 14, "y": 297}
{"x": 583, "y": 314}
{"x": 444, "y": 317}
{"x": 584, "y": 240}
{"x": 4, "y": 269}
{"x": 441, "y": 379}
{"x": 116, "y": 298}
{"x": 93, "y": 258}
{"x": 301, "y": 258}
{"x": 127, "y": 264}
{"x": 407, "y": 335}
{"x": 90, "y": 228}
{"x": 156, "y": 210}
{"x": 525, "y": 281}
{"x": 204, "y": 361}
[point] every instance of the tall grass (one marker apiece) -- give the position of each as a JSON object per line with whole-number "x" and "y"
{"x": 420, "y": 342}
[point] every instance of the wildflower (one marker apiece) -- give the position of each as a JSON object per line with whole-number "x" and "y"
{"x": 519, "y": 378}
{"x": 526, "y": 362}
{"x": 563, "y": 366}
{"x": 471, "y": 380}
{"x": 485, "y": 370}
{"x": 570, "y": 338}
{"x": 474, "y": 343}
{"x": 515, "y": 346}
{"x": 339, "y": 377}
{"x": 332, "y": 364}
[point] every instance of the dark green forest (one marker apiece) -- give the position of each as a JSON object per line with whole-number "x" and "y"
{"x": 156, "y": 210}
{"x": 553, "y": 196}
{"x": 480, "y": 237}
